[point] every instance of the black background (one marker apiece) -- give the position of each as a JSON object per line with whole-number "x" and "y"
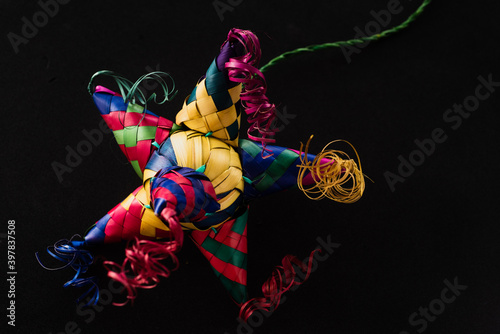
{"x": 397, "y": 247}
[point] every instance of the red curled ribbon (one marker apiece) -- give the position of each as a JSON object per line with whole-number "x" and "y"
{"x": 282, "y": 279}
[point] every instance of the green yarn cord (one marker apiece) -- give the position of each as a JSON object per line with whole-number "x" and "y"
{"x": 351, "y": 42}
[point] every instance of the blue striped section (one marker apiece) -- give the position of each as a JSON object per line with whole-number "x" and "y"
{"x": 255, "y": 168}
{"x": 117, "y": 104}
{"x": 107, "y": 103}
{"x": 220, "y": 216}
{"x": 96, "y": 234}
{"x": 163, "y": 157}
{"x": 103, "y": 102}
{"x": 201, "y": 198}
{"x": 173, "y": 187}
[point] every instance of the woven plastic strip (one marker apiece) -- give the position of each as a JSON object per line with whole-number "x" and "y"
{"x": 226, "y": 250}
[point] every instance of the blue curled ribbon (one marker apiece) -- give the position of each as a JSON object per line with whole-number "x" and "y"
{"x": 70, "y": 253}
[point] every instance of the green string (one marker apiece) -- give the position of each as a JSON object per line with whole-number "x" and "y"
{"x": 88, "y": 230}
{"x": 130, "y": 90}
{"x": 351, "y": 42}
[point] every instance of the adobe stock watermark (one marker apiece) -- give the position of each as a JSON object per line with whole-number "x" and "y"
{"x": 84, "y": 148}
{"x": 381, "y": 19}
{"x": 39, "y": 19}
{"x": 222, "y": 6}
{"x": 436, "y": 306}
{"x": 92, "y": 139}
{"x": 453, "y": 117}
{"x": 87, "y": 314}
{"x": 282, "y": 118}
{"x": 257, "y": 318}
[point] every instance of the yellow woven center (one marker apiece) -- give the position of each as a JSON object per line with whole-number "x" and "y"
{"x": 218, "y": 160}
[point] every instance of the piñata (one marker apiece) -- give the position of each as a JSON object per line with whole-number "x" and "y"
{"x": 198, "y": 178}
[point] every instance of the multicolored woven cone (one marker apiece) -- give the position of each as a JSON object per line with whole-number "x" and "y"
{"x": 137, "y": 131}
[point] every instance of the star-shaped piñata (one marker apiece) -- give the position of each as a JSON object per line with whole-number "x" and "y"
{"x": 198, "y": 178}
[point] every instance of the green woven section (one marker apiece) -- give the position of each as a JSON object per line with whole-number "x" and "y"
{"x": 135, "y": 108}
{"x": 175, "y": 127}
{"x": 130, "y": 136}
{"x": 276, "y": 170}
{"x": 233, "y": 130}
{"x": 119, "y": 136}
{"x": 250, "y": 147}
{"x": 137, "y": 169}
{"x": 238, "y": 291}
{"x": 224, "y": 253}
{"x": 146, "y": 132}
{"x": 240, "y": 223}
{"x": 231, "y": 262}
